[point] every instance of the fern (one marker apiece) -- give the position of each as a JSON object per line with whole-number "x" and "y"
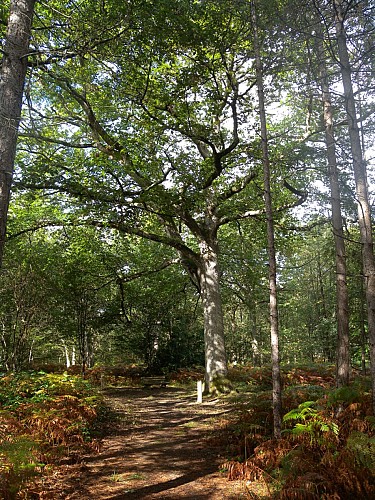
{"x": 315, "y": 425}
{"x": 18, "y": 463}
{"x": 363, "y": 448}
{"x": 344, "y": 395}
{"x": 371, "y": 420}
{"x": 303, "y": 411}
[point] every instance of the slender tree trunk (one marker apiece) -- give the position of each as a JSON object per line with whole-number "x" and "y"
{"x": 342, "y": 301}
{"x": 82, "y": 332}
{"x": 67, "y": 358}
{"x": 276, "y": 376}
{"x": 31, "y": 356}
{"x": 361, "y": 295}
{"x": 12, "y": 78}
{"x": 209, "y": 279}
{"x": 359, "y": 169}
{"x": 362, "y": 330}
{"x": 5, "y": 349}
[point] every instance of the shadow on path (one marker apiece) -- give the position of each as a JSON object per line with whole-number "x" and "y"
{"x": 158, "y": 449}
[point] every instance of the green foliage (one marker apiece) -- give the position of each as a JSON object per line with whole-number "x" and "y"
{"x": 18, "y": 463}
{"x": 4, "y": 13}
{"x": 363, "y": 448}
{"x": 371, "y": 420}
{"x": 303, "y": 411}
{"x": 315, "y": 425}
{"x": 147, "y": 110}
{"x": 38, "y": 387}
{"x": 156, "y": 101}
{"x": 345, "y": 395}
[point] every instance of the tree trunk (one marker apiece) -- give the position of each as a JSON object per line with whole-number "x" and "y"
{"x": 342, "y": 301}
{"x": 82, "y": 332}
{"x": 362, "y": 330}
{"x": 209, "y": 280}
{"x": 203, "y": 269}
{"x": 31, "y": 356}
{"x": 4, "y": 350}
{"x": 67, "y": 358}
{"x": 12, "y": 78}
{"x": 274, "y": 321}
{"x": 359, "y": 169}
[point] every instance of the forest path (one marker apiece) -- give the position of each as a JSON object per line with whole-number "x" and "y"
{"x": 158, "y": 449}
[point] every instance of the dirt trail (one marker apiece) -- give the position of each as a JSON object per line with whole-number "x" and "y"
{"x": 158, "y": 449}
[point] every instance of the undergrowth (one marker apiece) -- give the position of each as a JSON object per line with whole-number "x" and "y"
{"x": 323, "y": 453}
{"x": 43, "y": 418}
{"x": 327, "y": 449}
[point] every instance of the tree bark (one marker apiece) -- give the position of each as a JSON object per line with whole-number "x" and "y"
{"x": 209, "y": 279}
{"x": 203, "y": 268}
{"x": 67, "y": 358}
{"x": 359, "y": 170}
{"x": 362, "y": 328}
{"x": 342, "y": 301}
{"x": 274, "y": 320}
{"x": 12, "y": 78}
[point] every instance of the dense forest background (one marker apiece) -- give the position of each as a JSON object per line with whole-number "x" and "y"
{"x": 138, "y": 182}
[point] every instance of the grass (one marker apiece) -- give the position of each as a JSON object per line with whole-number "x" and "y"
{"x": 135, "y": 477}
{"x": 192, "y": 425}
{"x": 123, "y": 478}
{"x": 117, "y": 478}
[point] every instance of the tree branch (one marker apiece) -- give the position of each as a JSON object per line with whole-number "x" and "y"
{"x": 302, "y": 196}
{"x": 147, "y": 272}
{"x": 60, "y": 142}
{"x": 233, "y": 190}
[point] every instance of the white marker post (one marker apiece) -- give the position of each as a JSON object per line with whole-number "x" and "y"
{"x": 199, "y": 391}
